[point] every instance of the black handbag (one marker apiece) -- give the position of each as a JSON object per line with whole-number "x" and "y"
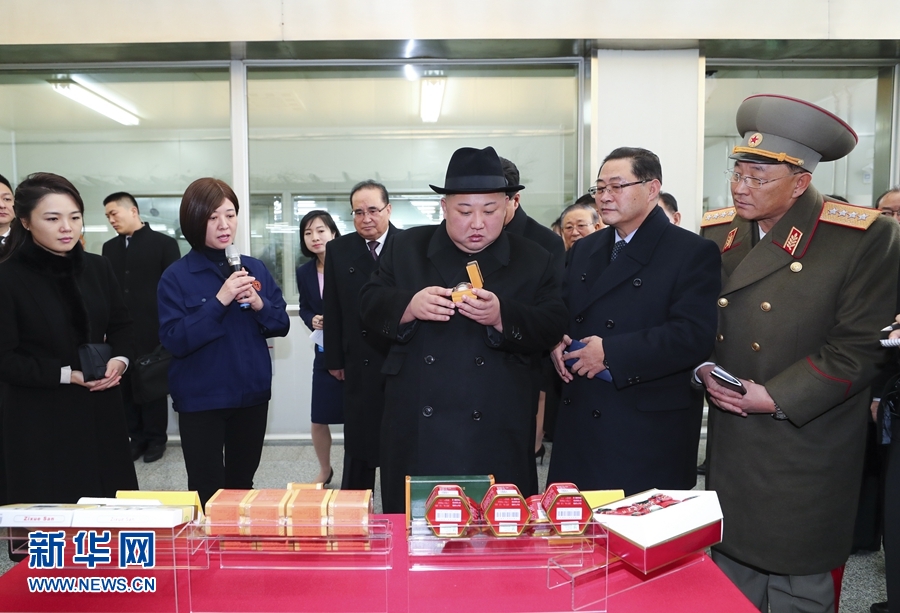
{"x": 150, "y": 379}
{"x": 94, "y": 357}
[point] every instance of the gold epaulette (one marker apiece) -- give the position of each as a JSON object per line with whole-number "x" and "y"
{"x": 718, "y": 217}
{"x": 850, "y": 215}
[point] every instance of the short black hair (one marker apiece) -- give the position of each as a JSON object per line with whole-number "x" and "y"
{"x": 585, "y": 199}
{"x": 5, "y": 182}
{"x": 370, "y": 184}
{"x": 644, "y": 163}
{"x": 121, "y": 196}
{"x": 511, "y": 172}
{"x": 668, "y": 201}
{"x": 310, "y": 217}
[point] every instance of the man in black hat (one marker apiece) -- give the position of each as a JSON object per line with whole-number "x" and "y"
{"x": 459, "y": 397}
{"x": 806, "y": 286}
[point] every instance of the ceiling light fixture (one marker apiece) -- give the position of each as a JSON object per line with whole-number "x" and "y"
{"x": 95, "y": 102}
{"x": 431, "y": 98}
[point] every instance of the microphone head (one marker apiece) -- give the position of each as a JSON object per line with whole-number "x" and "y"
{"x": 233, "y": 255}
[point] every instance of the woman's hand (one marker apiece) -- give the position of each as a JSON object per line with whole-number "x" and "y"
{"x": 113, "y": 376}
{"x": 252, "y": 298}
{"x": 318, "y": 322}
{"x": 237, "y": 287}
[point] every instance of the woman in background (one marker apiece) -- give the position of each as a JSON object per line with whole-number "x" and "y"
{"x": 317, "y": 228}
{"x": 64, "y": 437}
{"x": 220, "y": 378}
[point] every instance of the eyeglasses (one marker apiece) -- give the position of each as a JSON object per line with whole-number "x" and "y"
{"x": 890, "y": 212}
{"x": 752, "y": 182}
{"x": 370, "y": 212}
{"x": 614, "y": 189}
{"x": 568, "y": 228}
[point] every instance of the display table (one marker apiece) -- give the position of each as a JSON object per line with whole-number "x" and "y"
{"x": 693, "y": 585}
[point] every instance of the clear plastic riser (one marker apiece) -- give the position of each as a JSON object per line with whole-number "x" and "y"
{"x": 347, "y": 572}
{"x": 563, "y": 572}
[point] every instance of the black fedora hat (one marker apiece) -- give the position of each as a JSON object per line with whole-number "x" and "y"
{"x": 475, "y": 171}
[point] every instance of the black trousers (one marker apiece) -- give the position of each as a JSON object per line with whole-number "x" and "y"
{"x": 222, "y": 448}
{"x": 358, "y": 474}
{"x": 147, "y": 423}
{"x": 892, "y": 517}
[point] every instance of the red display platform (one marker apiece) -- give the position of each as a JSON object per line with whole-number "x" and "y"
{"x": 692, "y": 585}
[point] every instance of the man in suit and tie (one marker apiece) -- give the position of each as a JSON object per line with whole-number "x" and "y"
{"x": 641, "y": 295}
{"x": 354, "y": 353}
{"x": 139, "y": 255}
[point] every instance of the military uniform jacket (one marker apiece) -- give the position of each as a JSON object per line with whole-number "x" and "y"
{"x": 459, "y": 397}
{"x": 799, "y": 312}
{"x": 654, "y": 308}
{"x": 351, "y": 346}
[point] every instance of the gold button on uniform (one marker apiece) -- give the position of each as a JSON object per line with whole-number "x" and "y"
{"x": 796, "y": 267}
{"x": 723, "y": 302}
{"x": 765, "y": 306}
{"x": 754, "y": 346}
{"x": 720, "y": 337}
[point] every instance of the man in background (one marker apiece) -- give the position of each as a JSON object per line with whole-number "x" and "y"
{"x": 353, "y": 352}
{"x": 670, "y": 206}
{"x": 577, "y": 221}
{"x": 889, "y": 203}
{"x": 139, "y": 255}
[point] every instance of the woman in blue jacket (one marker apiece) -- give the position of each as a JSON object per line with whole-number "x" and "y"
{"x": 220, "y": 377}
{"x": 317, "y": 228}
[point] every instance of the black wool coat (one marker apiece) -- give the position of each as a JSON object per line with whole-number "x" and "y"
{"x": 459, "y": 397}
{"x": 350, "y": 345}
{"x": 61, "y": 442}
{"x": 655, "y": 309}
{"x": 138, "y": 269}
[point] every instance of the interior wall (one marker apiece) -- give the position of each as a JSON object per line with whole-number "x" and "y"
{"x": 659, "y": 111}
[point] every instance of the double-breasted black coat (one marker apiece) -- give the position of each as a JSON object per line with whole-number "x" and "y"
{"x": 138, "y": 269}
{"x": 655, "y": 309}
{"x": 351, "y": 345}
{"x": 62, "y": 442}
{"x": 459, "y": 397}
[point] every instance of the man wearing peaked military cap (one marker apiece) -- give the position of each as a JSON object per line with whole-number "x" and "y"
{"x": 806, "y": 286}
{"x": 459, "y": 396}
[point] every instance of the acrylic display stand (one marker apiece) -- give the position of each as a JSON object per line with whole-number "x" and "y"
{"x": 289, "y": 573}
{"x": 576, "y": 566}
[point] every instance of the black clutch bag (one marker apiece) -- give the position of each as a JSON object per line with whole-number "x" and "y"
{"x": 94, "y": 357}
{"x": 150, "y": 377}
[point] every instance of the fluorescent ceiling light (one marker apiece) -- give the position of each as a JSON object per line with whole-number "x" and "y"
{"x": 97, "y": 229}
{"x": 431, "y": 98}
{"x": 96, "y": 103}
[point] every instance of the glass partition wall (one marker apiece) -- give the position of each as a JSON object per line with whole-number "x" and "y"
{"x": 315, "y": 131}
{"x": 849, "y": 93}
{"x": 143, "y": 130}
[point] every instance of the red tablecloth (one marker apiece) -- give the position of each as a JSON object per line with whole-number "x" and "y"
{"x": 694, "y": 585}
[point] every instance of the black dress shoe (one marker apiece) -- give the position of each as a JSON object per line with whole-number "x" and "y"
{"x": 701, "y": 470}
{"x": 154, "y": 453}
{"x": 330, "y": 477}
{"x": 879, "y": 607}
{"x": 137, "y": 450}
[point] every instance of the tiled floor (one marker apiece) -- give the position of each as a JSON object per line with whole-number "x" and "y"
{"x": 281, "y": 463}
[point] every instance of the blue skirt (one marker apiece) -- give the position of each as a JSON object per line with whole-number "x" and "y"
{"x": 327, "y": 394}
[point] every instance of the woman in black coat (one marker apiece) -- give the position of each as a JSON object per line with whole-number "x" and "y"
{"x": 64, "y": 438}
{"x": 317, "y": 229}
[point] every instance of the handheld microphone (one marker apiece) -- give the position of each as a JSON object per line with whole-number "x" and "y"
{"x": 233, "y": 255}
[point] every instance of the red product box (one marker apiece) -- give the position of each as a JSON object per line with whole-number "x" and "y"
{"x": 566, "y": 508}
{"x": 505, "y": 510}
{"x": 448, "y": 511}
{"x": 539, "y": 523}
{"x": 657, "y": 527}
